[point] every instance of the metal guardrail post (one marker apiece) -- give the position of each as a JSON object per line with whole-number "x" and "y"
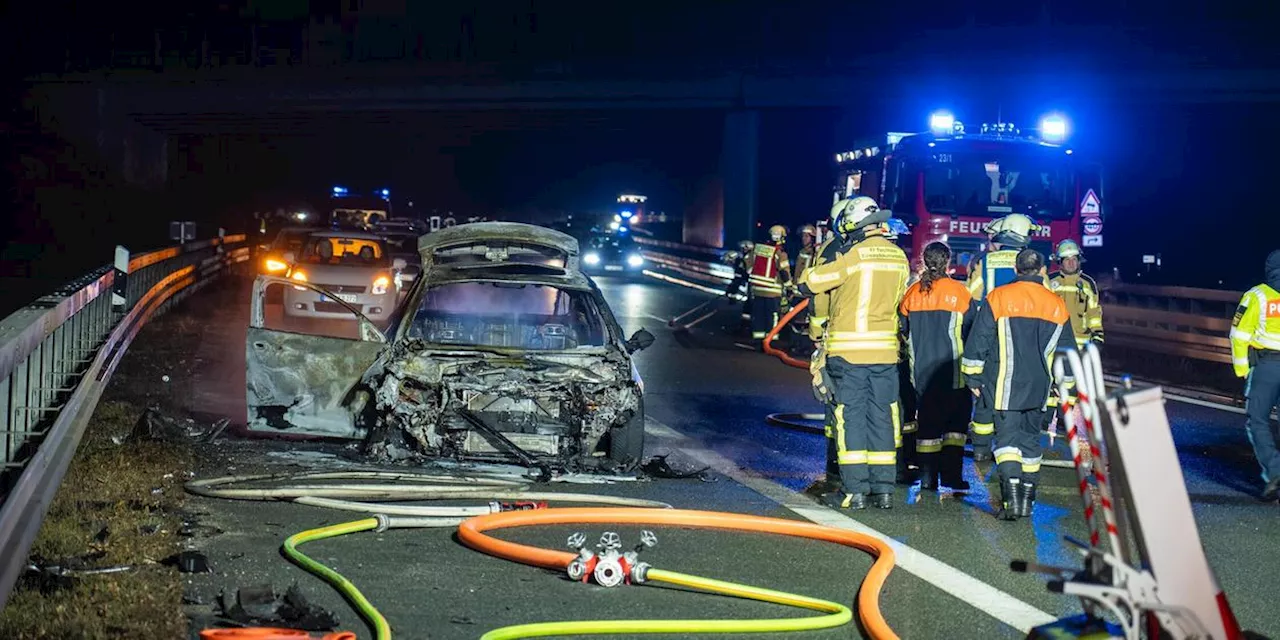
{"x": 119, "y": 288}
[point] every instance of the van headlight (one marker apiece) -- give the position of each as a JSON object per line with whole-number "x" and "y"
{"x": 380, "y": 285}
{"x": 592, "y": 258}
{"x": 635, "y": 260}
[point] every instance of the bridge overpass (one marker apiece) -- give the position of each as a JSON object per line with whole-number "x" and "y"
{"x": 154, "y": 120}
{"x": 707, "y": 399}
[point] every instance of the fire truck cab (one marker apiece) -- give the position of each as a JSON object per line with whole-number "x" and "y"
{"x": 948, "y": 184}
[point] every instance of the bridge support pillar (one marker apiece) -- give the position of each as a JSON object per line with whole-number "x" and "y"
{"x": 739, "y": 172}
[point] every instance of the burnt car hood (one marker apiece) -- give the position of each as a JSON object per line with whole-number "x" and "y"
{"x": 555, "y": 405}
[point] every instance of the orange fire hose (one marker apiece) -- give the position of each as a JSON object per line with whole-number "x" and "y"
{"x": 768, "y": 338}
{"x": 471, "y": 533}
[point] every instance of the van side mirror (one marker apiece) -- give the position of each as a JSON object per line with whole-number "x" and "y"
{"x": 639, "y": 341}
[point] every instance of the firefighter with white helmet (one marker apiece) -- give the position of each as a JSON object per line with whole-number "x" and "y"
{"x": 1006, "y": 236}
{"x": 861, "y": 350}
{"x": 1079, "y": 291}
{"x": 770, "y": 274}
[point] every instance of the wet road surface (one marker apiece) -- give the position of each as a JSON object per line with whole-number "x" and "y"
{"x": 706, "y": 402}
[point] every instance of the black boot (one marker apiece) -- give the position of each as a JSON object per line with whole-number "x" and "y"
{"x": 842, "y": 500}
{"x": 951, "y": 469}
{"x": 882, "y": 500}
{"x": 1026, "y": 499}
{"x": 928, "y": 472}
{"x": 1010, "y": 489}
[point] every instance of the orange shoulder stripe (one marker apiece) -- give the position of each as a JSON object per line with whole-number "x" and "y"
{"x": 1027, "y": 300}
{"x": 945, "y": 295}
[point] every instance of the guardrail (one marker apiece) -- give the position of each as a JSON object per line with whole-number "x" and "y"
{"x": 56, "y": 356}
{"x": 1175, "y": 321}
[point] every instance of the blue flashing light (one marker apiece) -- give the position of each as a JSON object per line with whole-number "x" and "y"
{"x": 942, "y": 123}
{"x": 1053, "y": 128}
{"x": 626, "y": 215}
{"x": 386, "y": 193}
{"x": 622, "y": 229}
{"x": 339, "y": 191}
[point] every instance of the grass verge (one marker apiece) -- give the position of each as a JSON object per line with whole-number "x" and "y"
{"x": 117, "y": 506}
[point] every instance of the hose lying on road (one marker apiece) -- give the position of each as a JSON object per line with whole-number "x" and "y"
{"x": 797, "y": 421}
{"x": 424, "y": 487}
{"x": 302, "y": 488}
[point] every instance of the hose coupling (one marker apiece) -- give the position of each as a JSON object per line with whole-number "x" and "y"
{"x": 384, "y": 522}
{"x": 640, "y": 573}
{"x": 523, "y": 505}
{"x": 609, "y": 571}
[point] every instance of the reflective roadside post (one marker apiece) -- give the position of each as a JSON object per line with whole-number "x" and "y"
{"x": 119, "y": 303}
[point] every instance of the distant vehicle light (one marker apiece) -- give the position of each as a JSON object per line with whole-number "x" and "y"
{"x": 380, "y": 285}
{"x": 592, "y": 258}
{"x": 617, "y": 218}
{"x": 635, "y": 260}
{"x": 622, "y": 229}
{"x": 626, "y": 215}
{"x": 1053, "y": 129}
{"x": 339, "y": 191}
{"x": 301, "y": 215}
{"x": 386, "y": 193}
{"x": 274, "y": 266}
{"x": 942, "y": 123}
{"x": 614, "y": 225}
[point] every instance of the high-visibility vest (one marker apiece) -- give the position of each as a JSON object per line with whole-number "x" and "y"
{"x": 765, "y": 268}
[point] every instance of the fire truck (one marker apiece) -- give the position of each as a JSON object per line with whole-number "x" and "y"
{"x": 949, "y": 183}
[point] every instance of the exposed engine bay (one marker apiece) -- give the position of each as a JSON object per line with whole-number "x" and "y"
{"x": 558, "y": 409}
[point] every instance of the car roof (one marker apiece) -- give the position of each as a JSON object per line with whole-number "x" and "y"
{"x": 354, "y": 235}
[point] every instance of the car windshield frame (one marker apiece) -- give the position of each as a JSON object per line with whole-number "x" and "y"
{"x": 309, "y": 254}
{"x": 413, "y": 317}
{"x": 963, "y": 181}
{"x": 481, "y": 253}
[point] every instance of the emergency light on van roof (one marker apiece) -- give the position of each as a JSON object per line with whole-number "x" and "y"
{"x": 1053, "y": 128}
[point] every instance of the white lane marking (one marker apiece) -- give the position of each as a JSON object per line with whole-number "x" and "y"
{"x": 653, "y": 317}
{"x": 744, "y": 346}
{"x": 982, "y": 596}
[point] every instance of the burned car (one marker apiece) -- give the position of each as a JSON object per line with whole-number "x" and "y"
{"x": 502, "y": 351}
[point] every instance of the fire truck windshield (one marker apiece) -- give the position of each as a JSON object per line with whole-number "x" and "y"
{"x": 1033, "y": 181}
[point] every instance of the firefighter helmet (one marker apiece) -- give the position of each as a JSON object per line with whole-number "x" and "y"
{"x": 778, "y": 233}
{"x": 809, "y": 229}
{"x": 851, "y": 214}
{"x": 1013, "y": 230}
{"x": 746, "y": 246}
{"x": 1067, "y": 249}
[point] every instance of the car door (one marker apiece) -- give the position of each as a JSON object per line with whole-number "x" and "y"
{"x": 302, "y": 384}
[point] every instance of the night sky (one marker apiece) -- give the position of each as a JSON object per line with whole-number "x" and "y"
{"x": 1191, "y": 182}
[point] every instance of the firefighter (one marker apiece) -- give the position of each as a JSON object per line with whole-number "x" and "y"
{"x": 740, "y": 260}
{"x": 770, "y": 274}
{"x": 937, "y": 313}
{"x": 1080, "y": 293}
{"x": 819, "y": 304}
{"x": 861, "y": 347}
{"x": 1018, "y": 324}
{"x": 1255, "y": 356}
{"x": 808, "y": 247}
{"x": 1005, "y": 237}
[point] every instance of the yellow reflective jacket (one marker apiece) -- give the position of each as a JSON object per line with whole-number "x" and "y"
{"x": 866, "y": 283}
{"x": 820, "y": 305}
{"x": 1080, "y": 293}
{"x": 1256, "y": 326}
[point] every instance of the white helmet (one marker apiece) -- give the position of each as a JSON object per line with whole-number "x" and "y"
{"x": 1067, "y": 249}
{"x": 1013, "y": 230}
{"x": 855, "y": 213}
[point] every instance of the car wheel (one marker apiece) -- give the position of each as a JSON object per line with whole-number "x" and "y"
{"x": 626, "y": 443}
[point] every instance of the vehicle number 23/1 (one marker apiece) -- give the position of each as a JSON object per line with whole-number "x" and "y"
{"x": 942, "y": 157}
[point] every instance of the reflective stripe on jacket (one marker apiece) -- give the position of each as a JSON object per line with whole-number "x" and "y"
{"x": 820, "y": 306}
{"x": 1256, "y": 326}
{"x": 770, "y": 268}
{"x": 936, "y": 324}
{"x": 866, "y": 282}
{"x": 1011, "y": 347}
{"x": 1084, "y": 305}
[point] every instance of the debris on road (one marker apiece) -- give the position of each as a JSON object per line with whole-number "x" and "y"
{"x": 156, "y": 424}
{"x": 657, "y": 467}
{"x": 188, "y": 562}
{"x": 260, "y": 605}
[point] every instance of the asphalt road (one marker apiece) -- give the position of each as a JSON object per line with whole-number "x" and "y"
{"x": 706, "y": 402}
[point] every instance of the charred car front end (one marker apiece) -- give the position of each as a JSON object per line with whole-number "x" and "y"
{"x": 503, "y": 351}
